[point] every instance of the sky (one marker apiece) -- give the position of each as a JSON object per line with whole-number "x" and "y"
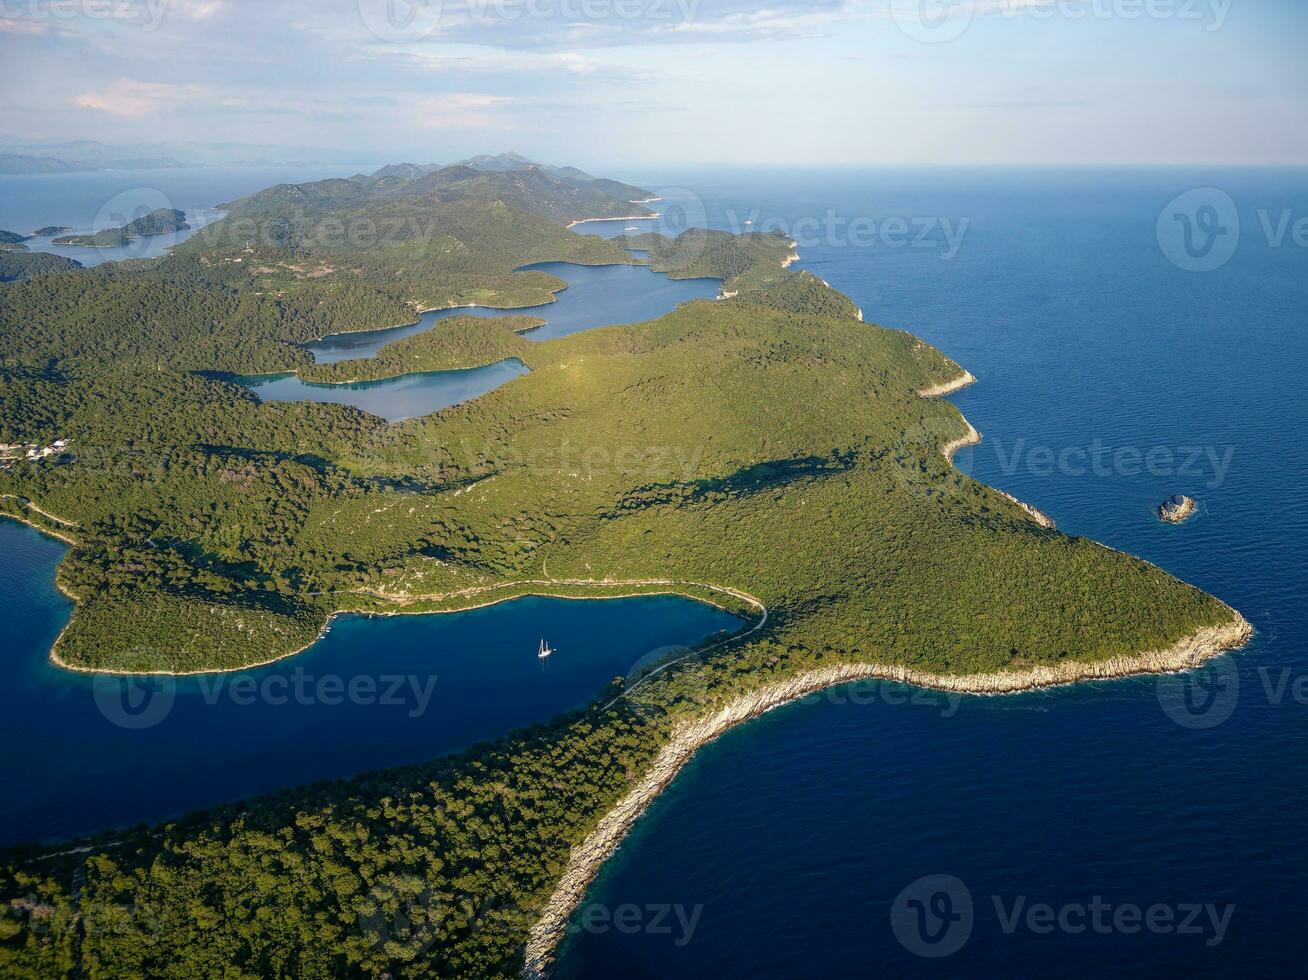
{"x": 635, "y": 82}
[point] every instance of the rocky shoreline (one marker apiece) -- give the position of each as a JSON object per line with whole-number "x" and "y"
{"x": 970, "y": 438}
{"x": 948, "y": 387}
{"x": 589, "y": 856}
{"x": 1035, "y": 513}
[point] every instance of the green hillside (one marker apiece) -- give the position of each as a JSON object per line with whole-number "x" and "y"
{"x": 771, "y": 443}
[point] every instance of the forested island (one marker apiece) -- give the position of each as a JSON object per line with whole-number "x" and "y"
{"x": 211, "y": 531}
{"x": 160, "y": 221}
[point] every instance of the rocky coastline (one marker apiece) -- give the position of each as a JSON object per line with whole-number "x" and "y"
{"x": 589, "y": 856}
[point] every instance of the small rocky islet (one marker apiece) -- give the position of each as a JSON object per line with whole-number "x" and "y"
{"x": 1176, "y": 509}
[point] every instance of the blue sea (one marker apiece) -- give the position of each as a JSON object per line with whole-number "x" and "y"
{"x": 1139, "y": 827}
{"x": 93, "y": 752}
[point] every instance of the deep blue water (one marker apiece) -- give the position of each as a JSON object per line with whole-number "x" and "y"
{"x": 796, "y": 833}
{"x": 86, "y": 753}
{"x": 596, "y": 296}
{"x": 394, "y": 399}
{"x": 90, "y": 202}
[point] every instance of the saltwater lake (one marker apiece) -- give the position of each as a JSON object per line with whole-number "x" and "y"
{"x": 394, "y": 399}
{"x": 795, "y": 835}
{"x": 88, "y": 753}
{"x": 596, "y": 296}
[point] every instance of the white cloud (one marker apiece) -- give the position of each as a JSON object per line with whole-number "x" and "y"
{"x": 196, "y": 9}
{"x": 131, "y": 99}
{"x": 463, "y": 110}
{"x": 477, "y": 58}
{"x": 767, "y": 23}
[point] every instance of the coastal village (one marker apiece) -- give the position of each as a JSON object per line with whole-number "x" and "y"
{"x": 11, "y": 452}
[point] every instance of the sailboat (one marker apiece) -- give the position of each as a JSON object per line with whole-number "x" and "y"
{"x": 545, "y": 650}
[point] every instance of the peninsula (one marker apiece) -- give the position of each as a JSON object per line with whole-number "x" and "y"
{"x": 158, "y": 222}
{"x": 212, "y": 531}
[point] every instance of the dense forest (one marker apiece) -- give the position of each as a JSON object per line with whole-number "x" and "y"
{"x": 15, "y": 264}
{"x": 769, "y": 441}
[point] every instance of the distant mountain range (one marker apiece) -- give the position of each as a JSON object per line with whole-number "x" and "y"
{"x": 29, "y": 157}
{"x": 490, "y": 163}
{"x": 598, "y": 188}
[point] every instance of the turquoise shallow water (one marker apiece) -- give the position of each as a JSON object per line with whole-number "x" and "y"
{"x": 795, "y": 835}
{"x": 89, "y": 753}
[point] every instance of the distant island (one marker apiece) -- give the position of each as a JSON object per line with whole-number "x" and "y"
{"x": 77, "y": 156}
{"x": 158, "y": 222}
{"x": 770, "y": 452}
{"x": 50, "y": 230}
